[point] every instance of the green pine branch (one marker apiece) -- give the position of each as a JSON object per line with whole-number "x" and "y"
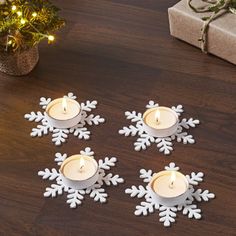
{"x": 24, "y": 23}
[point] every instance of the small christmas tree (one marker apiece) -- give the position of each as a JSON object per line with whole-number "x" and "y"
{"x": 24, "y": 23}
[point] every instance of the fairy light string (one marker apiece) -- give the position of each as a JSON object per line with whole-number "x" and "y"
{"x": 25, "y": 23}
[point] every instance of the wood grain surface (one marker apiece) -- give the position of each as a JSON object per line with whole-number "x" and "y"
{"x": 120, "y": 53}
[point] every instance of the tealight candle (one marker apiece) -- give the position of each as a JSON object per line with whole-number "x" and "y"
{"x": 79, "y": 171}
{"x": 160, "y": 121}
{"x": 63, "y": 113}
{"x": 170, "y": 188}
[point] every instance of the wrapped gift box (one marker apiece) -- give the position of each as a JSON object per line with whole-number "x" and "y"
{"x": 186, "y": 25}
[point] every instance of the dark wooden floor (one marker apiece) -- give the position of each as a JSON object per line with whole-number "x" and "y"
{"x": 120, "y": 53}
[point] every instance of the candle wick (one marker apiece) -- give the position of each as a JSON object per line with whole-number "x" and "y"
{"x": 157, "y": 116}
{"x": 64, "y": 105}
{"x": 81, "y": 168}
{"x": 171, "y": 185}
{"x": 64, "y": 110}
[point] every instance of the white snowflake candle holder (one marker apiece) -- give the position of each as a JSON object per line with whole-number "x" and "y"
{"x": 79, "y": 117}
{"x": 76, "y": 195}
{"x": 167, "y": 212}
{"x": 148, "y": 132}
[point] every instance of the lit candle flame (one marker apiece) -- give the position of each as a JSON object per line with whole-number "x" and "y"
{"x": 157, "y": 116}
{"x": 81, "y": 164}
{"x": 64, "y": 105}
{"x": 172, "y": 179}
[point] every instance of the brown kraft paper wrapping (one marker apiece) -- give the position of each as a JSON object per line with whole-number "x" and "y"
{"x": 186, "y": 25}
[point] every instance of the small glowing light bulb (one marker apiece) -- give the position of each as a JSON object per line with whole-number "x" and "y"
{"x": 19, "y": 13}
{"x": 172, "y": 179}
{"x": 9, "y": 42}
{"x": 51, "y": 38}
{"x": 64, "y": 105}
{"x": 34, "y": 14}
{"x": 13, "y": 8}
{"x": 157, "y": 116}
{"x": 81, "y": 164}
{"x": 22, "y": 21}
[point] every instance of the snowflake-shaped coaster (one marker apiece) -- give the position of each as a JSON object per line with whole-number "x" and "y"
{"x": 59, "y": 135}
{"x": 164, "y": 144}
{"x": 75, "y": 197}
{"x": 167, "y": 214}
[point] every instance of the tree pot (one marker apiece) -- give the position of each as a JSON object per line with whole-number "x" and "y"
{"x": 19, "y": 63}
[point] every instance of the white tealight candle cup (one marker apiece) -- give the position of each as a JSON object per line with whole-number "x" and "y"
{"x": 168, "y": 191}
{"x": 160, "y": 121}
{"x": 63, "y": 113}
{"x": 79, "y": 171}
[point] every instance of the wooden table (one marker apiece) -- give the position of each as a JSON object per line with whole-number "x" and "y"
{"x": 120, "y": 53}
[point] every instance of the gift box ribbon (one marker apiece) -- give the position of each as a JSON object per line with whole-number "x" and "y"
{"x": 216, "y": 8}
